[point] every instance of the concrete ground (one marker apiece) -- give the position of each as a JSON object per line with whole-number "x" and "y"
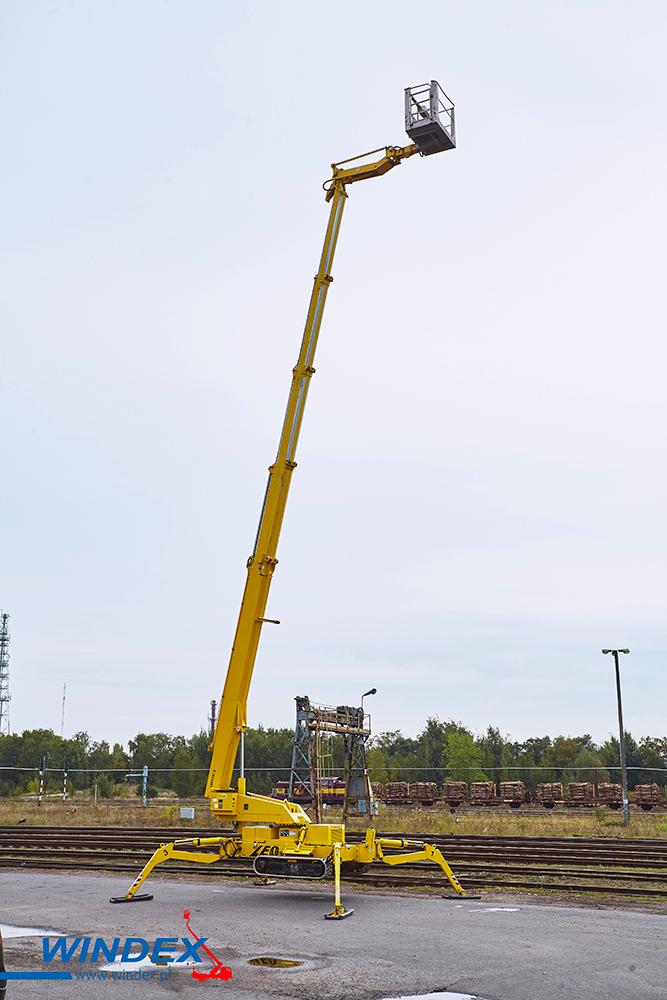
{"x": 496, "y": 948}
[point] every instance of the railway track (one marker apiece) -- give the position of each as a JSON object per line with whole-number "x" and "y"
{"x": 635, "y": 868}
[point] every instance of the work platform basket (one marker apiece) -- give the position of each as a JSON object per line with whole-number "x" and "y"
{"x": 429, "y": 118}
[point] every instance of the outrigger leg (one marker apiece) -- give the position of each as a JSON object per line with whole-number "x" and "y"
{"x": 172, "y": 852}
{"x": 426, "y": 852}
{"x": 339, "y": 912}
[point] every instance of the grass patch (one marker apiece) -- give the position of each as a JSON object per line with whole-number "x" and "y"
{"x": 498, "y": 822}
{"x": 517, "y": 823}
{"x": 120, "y": 812}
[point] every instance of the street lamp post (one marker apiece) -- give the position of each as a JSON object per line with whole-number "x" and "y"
{"x": 621, "y": 734}
{"x": 366, "y": 694}
{"x": 368, "y": 790}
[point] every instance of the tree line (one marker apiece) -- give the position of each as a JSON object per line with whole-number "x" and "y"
{"x": 442, "y": 750}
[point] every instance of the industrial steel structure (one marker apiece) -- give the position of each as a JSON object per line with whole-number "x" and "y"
{"x": 312, "y": 756}
{"x": 279, "y": 835}
{"x": 4, "y": 674}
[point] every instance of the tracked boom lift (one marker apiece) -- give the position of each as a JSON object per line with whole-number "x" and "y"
{"x": 278, "y": 835}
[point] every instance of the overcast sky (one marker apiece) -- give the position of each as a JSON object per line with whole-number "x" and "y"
{"x": 480, "y": 499}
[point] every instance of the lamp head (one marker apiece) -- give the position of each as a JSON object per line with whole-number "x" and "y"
{"x": 372, "y": 691}
{"x": 624, "y": 650}
{"x": 606, "y": 651}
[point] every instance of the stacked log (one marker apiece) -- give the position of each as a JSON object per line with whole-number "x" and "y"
{"x": 454, "y": 792}
{"x": 378, "y": 789}
{"x": 483, "y": 793}
{"x": 647, "y": 796}
{"x": 580, "y": 793}
{"x": 513, "y": 792}
{"x": 424, "y": 792}
{"x": 398, "y": 792}
{"x": 549, "y": 793}
{"x": 610, "y": 795}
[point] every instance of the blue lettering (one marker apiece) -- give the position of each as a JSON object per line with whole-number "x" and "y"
{"x": 191, "y": 949}
{"x": 127, "y": 948}
{"x": 165, "y": 945}
{"x": 60, "y": 946}
{"x": 102, "y": 950}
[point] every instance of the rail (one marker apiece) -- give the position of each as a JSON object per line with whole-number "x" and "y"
{"x": 603, "y": 866}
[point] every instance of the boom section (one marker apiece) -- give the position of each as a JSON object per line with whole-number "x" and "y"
{"x": 232, "y": 719}
{"x": 261, "y": 564}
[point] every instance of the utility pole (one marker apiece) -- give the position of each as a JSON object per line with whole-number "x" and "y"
{"x": 621, "y": 734}
{"x": 4, "y": 674}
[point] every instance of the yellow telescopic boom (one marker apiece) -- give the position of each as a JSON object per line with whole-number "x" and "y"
{"x": 232, "y": 720}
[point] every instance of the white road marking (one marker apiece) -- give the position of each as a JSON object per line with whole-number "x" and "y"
{"x": 500, "y": 909}
{"x": 10, "y": 931}
{"x": 438, "y": 996}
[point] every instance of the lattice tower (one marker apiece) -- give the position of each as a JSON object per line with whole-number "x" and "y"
{"x": 4, "y": 674}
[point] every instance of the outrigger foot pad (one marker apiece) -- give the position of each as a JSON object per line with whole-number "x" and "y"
{"x": 467, "y": 896}
{"x": 340, "y": 915}
{"x": 139, "y": 898}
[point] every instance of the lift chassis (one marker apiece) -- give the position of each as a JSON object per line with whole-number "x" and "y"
{"x": 278, "y": 835}
{"x": 315, "y": 851}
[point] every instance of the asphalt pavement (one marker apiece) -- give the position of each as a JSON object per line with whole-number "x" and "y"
{"x": 496, "y": 948}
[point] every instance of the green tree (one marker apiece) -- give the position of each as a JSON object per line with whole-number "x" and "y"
{"x": 530, "y": 755}
{"x": 611, "y": 757}
{"x": 463, "y": 757}
{"x": 652, "y": 754}
{"x": 155, "y": 750}
{"x": 430, "y": 742}
{"x": 268, "y": 756}
{"x": 561, "y": 755}
{"x": 105, "y": 786}
{"x": 183, "y": 781}
{"x": 496, "y": 754}
{"x": 591, "y": 760}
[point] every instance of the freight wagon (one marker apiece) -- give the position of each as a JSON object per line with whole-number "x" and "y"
{"x": 580, "y": 793}
{"x": 647, "y": 796}
{"x": 455, "y": 792}
{"x": 610, "y": 795}
{"x": 513, "y": 792}
{"x": 483, "y": 793}
{"x": 550, "y": 794}
{"x": 424, "y": 793}
{"x": 398, "y": 793}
